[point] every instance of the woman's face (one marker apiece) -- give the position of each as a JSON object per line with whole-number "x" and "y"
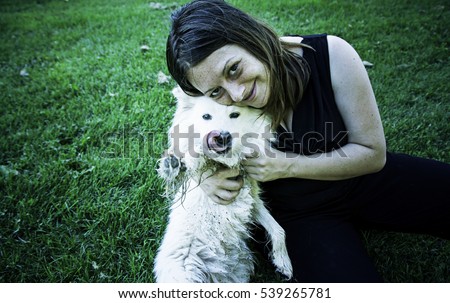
{"x": 231, "y": 75}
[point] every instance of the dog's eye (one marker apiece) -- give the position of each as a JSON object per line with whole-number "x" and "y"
{"x": 234, "y": 115}
{"x": 207, "y": 117}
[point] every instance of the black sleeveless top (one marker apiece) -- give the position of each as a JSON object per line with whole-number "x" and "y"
{"x": 317, "y": 128}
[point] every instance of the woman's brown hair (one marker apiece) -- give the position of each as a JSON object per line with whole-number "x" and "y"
{"x": 203, "y": 26}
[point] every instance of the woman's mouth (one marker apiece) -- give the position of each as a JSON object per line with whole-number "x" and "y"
{"x": 252, "y": 93}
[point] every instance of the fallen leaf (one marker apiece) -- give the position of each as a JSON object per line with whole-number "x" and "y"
{"x": 24, "y": 73}
{"x": 367, "y": 64}
{"x": 157, "y": 5}
{"x": 145, "y": 48}
{"x": 6, "y": 171}
{"x": 162, "y": 78}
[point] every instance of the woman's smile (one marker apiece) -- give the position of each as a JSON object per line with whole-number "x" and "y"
{"x": 250, "y": 97}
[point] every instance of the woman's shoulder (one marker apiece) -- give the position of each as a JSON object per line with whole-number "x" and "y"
{"x": 293, "y": 43}
{"x": 337, "y": 44}
{"x": 315, "y": 42}
{"x": 291, "y": 40}
{"x": 343, "y": 57}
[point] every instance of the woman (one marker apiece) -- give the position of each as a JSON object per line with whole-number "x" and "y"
{"x": 331, "y": 174}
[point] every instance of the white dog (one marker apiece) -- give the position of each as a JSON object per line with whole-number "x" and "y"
{"x": 206, "y": 241}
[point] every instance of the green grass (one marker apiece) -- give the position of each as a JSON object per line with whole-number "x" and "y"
{"x": 81, "y": 133}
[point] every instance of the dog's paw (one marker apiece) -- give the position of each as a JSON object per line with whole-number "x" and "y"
{"x": 282, "y": 263}
{"x": 170, "y": 167}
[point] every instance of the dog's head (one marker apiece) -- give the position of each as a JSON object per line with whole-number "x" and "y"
{"x": 203, "y": 130}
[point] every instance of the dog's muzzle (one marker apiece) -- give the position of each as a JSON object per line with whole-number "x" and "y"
{"x": 219, "y": 141}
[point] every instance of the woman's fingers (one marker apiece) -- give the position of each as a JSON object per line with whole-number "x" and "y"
{"x": 226, "y": 197}
{"x": 223, "y": 186}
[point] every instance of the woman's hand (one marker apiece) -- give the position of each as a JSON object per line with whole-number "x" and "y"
{"x": 223, "y": 186}
{"x": 269, "y": 165}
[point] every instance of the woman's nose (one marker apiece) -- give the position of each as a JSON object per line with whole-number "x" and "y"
{"x": 236, "y": 92}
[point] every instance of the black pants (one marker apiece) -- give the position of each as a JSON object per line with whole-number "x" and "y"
{"x": 322, "y": 226}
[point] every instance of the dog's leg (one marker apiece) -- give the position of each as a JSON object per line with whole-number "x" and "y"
{"x": 279, "y": 255}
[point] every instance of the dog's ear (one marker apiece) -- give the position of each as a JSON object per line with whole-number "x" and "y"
{"x": 178, "y": 92}
{"x": 184, "y": 101}
{"x": 184, "y": 104}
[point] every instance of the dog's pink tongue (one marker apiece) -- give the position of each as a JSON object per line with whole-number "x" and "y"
{"x": 214, "y": 141}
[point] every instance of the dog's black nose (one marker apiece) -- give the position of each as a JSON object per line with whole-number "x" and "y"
{"x": 224, "y": 139}
{"x": 219, "y": 141}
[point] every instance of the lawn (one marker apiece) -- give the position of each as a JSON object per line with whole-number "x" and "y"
{"x": 84, "y": 115}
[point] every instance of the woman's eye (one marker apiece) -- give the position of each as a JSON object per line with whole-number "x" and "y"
{"x": 234, "y": 69}
{"x": 207, "y": 117}
{"x": 234, "y": 115}
{"x": 215, "y": 93}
